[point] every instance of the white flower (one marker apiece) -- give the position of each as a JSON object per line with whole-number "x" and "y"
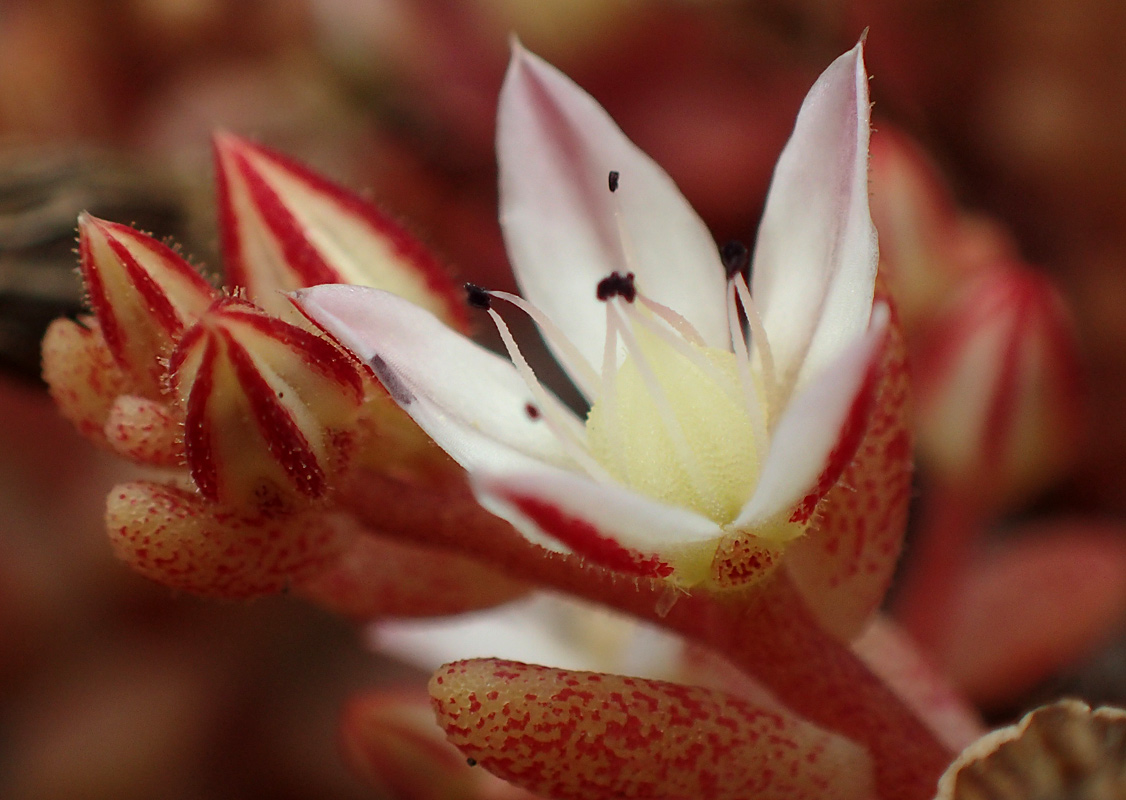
{"x": 702, "y": 444}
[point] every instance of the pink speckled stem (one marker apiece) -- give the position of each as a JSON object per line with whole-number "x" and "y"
{"x": 768, "y": 632}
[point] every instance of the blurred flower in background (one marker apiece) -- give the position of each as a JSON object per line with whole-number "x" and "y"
{"x": 997, "y": 175}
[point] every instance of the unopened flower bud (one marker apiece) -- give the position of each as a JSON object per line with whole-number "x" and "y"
{"x": 284, "y": 227}
{"x": 143, "y": 295}
{"x": 999, "y": 388}
{"x": 928, "y": 247}
{"x": 269, "y": 407}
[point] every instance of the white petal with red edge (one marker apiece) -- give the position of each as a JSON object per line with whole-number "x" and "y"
{"x": 812, "y": 427}
{"x": 603, "y": 522}
{"x": 556, "y": 147}
{"x": 816, "y": 252}
{"x": 469, "y": 400}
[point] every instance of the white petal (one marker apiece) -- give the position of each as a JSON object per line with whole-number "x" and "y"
{"x": 556, "y": 147}
{"x": 608, "y": 524}
{"x": 811, "y": 428}
{"x": 468, "y": 399}
{"x": 543, "y": 629}
{"x": 816, "y": 253}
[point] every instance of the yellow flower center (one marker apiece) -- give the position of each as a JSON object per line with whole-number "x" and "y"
{"x": 677, "y": 429}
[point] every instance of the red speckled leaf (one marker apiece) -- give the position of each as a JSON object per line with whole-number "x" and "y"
{"x": 83, "y": 377}
{"x": 843, "y": 565}
{"x": 177, "y": 538}
{"x": 145, "y": 431}
{"x": 589, "y": 736}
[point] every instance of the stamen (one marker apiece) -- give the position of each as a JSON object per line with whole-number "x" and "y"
{"x": 760, "y": 343}
{"x": 613, "y": 180}
{"x": 581, "y": 371}
{"x": 736, "y": 258}
{"x": 477, "y": 297}
{"x": 568, "y": 430}
{"x": 606, "y": 398}
{"x": 674, "y": 320}
{"x": 616, "y": 285}
{"x": 756, "y": 406}
{"x": 664, "y": 408}
{"x": 691, "y": 354}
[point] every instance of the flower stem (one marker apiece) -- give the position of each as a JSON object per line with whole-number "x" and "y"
{"x": 766, "y": 631}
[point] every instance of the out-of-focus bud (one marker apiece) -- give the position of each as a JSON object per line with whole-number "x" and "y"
{"x": 999, "y": 388}
{"x": 180, "y": 539}
{"x": 284, "y": 227}
{"x": 390, "y": 740}
{"x": 269, "y": 407}
{"x": 927, "y": 246}
{"x": 143, "y": 295}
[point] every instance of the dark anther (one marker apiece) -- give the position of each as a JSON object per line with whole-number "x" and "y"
{"x": 617, "y": 285}
{"x": 736, "y": 258}
{"x": 531, "y": 411}
{"x": 471, "y": 762}
{"x": 614, "y": 175}
{"x": 477, "y": 297}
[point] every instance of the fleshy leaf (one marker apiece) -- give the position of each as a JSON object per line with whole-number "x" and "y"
{"x": 180, "y": 539}
{"x": 82, "y": 374}
{"x": 591, "y": 736}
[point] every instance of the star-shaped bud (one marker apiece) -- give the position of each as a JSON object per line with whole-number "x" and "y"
{"x": 269, "y": 408}
{"x": 283, "y": 227}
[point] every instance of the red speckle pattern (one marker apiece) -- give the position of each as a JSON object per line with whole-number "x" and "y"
{"x": 181, "y": 540}
{"x": 145, "y": 431}
{"x": 844, "y": 564}
{"x": 743, "y": 560}
{"x": 586, "y": 540}
{"x": 82, "y": 375}
{"x": 588, "y": 736}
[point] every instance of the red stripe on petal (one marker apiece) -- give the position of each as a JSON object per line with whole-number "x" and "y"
{"x": 282, "y": 435}
{"x": 317, "y": 353}
{"x": 97, "y": 297}
{"x": 197, "y": 424}
{"x": 585, "y": 539}
{"x": 400, "y": 241}
{"x": 852, "y": 434}
{"x": 159, "y": 306}
{"x": 300, "y": 255}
